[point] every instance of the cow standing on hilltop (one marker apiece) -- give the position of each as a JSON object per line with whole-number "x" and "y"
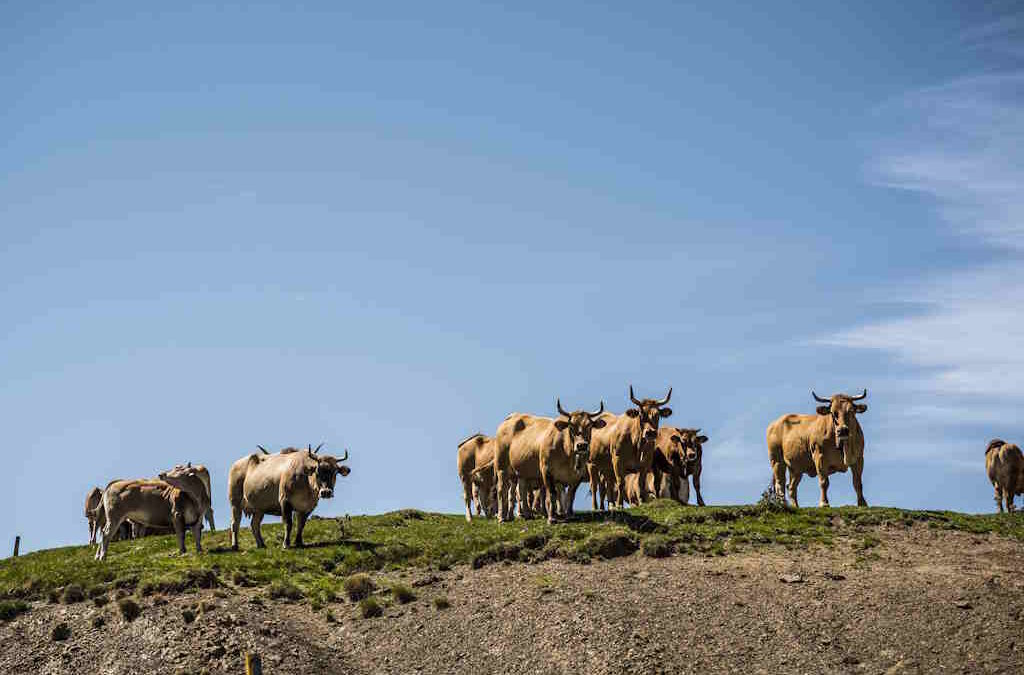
{"x": 292, "y": 481}
{"x": 1004, "y": 465}
{"x": 678, "y": 456}
{"x": 534, "y": 449}
{"x": 476, "y": 472}
{"x": 625, "y": 445}
{"x": 819, "y": 445}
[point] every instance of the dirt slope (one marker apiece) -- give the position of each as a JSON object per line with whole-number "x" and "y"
{"x": 914, "y": 600}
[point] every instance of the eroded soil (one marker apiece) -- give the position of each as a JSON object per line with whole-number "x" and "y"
{"x": 888, "y": 600}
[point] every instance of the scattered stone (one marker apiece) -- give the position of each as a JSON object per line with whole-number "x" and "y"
{"x": 791, "y": 579}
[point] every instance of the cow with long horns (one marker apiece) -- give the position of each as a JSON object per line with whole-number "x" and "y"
{"x": 819, "y": 445}
{"x": 291, "y": 481}
{"x": 626, "y": 445}
{"x": 551, "y": 452}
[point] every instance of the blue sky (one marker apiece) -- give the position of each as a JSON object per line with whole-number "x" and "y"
{"x": 386, "y": 227}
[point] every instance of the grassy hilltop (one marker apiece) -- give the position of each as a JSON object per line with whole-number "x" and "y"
{"x": 337, "y": 548}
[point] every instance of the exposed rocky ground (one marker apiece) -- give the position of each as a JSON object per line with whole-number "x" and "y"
{"x": 895, "y": 600}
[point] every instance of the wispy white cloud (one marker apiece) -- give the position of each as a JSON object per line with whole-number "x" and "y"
{"x": 962, "y": 145}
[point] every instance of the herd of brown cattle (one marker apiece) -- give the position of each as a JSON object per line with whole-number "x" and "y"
{"x": 531, "y": 466}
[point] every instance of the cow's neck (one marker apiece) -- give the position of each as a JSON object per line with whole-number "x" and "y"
{"x": 193, "y": 486}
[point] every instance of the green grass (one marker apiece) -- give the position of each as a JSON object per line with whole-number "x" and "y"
{"x": 411, "y": 538}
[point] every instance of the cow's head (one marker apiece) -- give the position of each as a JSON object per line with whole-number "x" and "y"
{"x": 325, "y": 470}
{"x": 579, "y": 424}
{"x": 843, "y": 409}
{"x": 649, "y": 413}
{"x": 692, "y": 445}
{"x": 186, "y": 478}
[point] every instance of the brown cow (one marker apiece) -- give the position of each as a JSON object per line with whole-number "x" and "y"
{"x": 92, "y": 501}
{"x": 552, "y": 451}
{"x": 177, "y": 499}
{"x": 476, "y": 471}
{"x": 291, "y": 481}
{"x": 1004, "y": 465}
{"x": 819, "y": 445}
{"x": 678, "y": 456}
{"x": 626, "y": 445}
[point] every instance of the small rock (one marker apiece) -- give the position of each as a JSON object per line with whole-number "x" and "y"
{"x": 962, "y": 604}
{"x": 791, "y": 579}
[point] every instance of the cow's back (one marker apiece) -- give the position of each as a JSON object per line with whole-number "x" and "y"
{"x": 262, "y": 486}
{"x": 1005, "y": 467}
{"x": 528, "y": 442}
{"x": 790, "y": 434}
{"x": 92, "y": 500}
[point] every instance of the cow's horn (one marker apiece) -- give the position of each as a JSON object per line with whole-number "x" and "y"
{"x": 189, "y": 465}
{"x": 862, "y": 396}
{"x": 318, "y": 448}
{"x": 345, "y": 457}
{"x": 599, "y": 411}
{"x": 558, "y": 404}
{"x": 632, "y": 397}
{"x": 820, "y": 399}
{"x": 263, "y": 449}
{"x": 667, "y": 397}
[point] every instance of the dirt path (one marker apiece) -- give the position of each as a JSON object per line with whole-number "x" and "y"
{"x": 893, "y": 601}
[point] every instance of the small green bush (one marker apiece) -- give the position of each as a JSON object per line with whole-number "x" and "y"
{"x": 441, "y": 602}
{"x": 100, "y": 600}
{"x": 657, "y": 546}
{"x": 359, "y": 587}
{"x": 72, "y": 593}
{"x": 129, "y": 609}
{"x": 369, "y": 608}
{"x": 60, "y": 632}
{"x": 188, "y": 615}
{"x": 10, "y": 609}
{"x": 402, "y": 593}
{"x": 284, "y": 590}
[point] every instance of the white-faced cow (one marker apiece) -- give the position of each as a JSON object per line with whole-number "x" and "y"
{"x": 292, "y": 481}
{"x": 552, "y": 452}
{"x": 819, "y": 445}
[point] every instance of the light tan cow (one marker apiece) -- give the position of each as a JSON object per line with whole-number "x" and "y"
{"x": 92, "y": 501}
{"x": 178, "y": 499}
{"x": 476, "y": 471}
{"x": 819, "y": 445}
{"x": 140, "y": 530}
{"x": 1004, "y": 465}
{"x": 551, "y": 451}
{"x": 292, "y": 481}
{"x": 626, "y": 445}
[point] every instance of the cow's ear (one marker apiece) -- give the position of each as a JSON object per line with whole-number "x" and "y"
{"x": 561, "y": 424}
{"x": 702, "y": 439}
{"x": 599, "y": 424}
{"x": 665, "y": 412}
{"x": 824, "y": 409}
{"x": 632, "y": 412}
{"x": 860, "y": 407}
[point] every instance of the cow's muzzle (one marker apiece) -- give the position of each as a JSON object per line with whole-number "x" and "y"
{"x": 651, "y": 435}
{"x": 326, "y": 493}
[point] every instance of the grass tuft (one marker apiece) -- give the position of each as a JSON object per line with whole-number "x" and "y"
{"x": 284, "y": 590}
{"x": 10, "y": 609}
{"x": 359, "y": 587}
{"x": 657, "y": 546}
{"x": 72, "y": 593}
{"x": 61, "y": 632}
{"x": 369, "y": 608}
{"x": 402, "y": 593}
{"x": 441, "y": 602}
{"x": 129, "y": 609}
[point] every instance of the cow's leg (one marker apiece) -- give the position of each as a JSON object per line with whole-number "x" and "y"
{"x": 858, "y": 485}
{"x": 257, "y": 533}
{"x": 236, "y": 522}
{"x": 822, "y": 481}
{"x": 467, "y": 496}
{"x": 696, "y": 485}
{"x": 197, "y": 534}
{"x": 179, "y": 531}
{"x": 550, "y": 496}
{"x": 286, "y": 517}
{"x": 525, "y": 499}
{"x": 779, "y": 476}
{"x": 794, "y": 482}
{"x": 107, "y": 532}
{"x": 92, "y": 531}
{"x": 620, "y": 483}
{"x": 570, "y": 497}
{"x": 501, "y": 479}
{"x": 299, "y": 527}
{"x": 1009, "y": 501}
{"x": 596, "y": 493}
{"x": 684, "y": 489}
